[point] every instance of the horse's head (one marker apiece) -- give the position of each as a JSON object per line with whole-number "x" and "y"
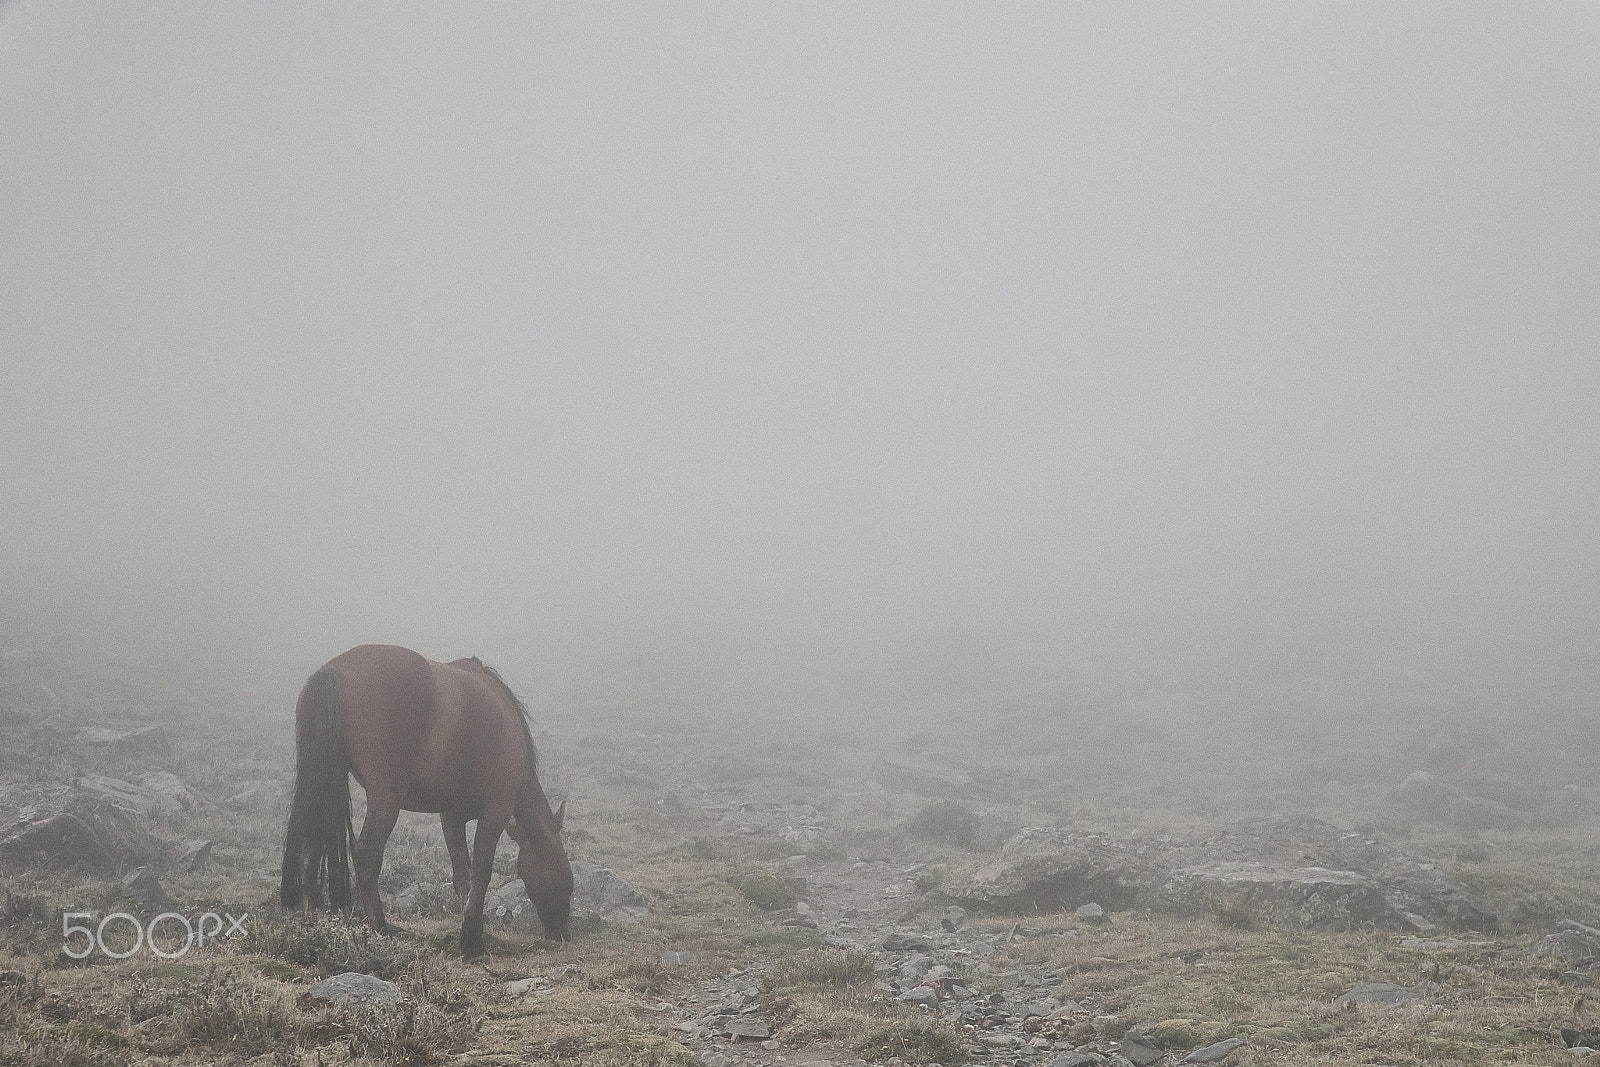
{"x": 546, "y": 873}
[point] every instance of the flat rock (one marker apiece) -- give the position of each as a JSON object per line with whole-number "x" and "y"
{"x": 1076, "y": 1059}
{"x": 135, "y": 740}
{"x": 1387, "y": 994}
{"x": 1214, "y": 1053}
{"x": 922, "y": 776}
{"x": 126, "y": 794}
{"x": 747, "y": 1028}
{"x": 355, "y": 990}
{"x": 1309, "y": 897}
{"x": 1138, "y": 1053}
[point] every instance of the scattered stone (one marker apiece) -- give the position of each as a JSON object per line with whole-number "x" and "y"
{"x": 355, "y": 990}
{"x": 921, "y": 995}
{"x": 1215, "y": 1052}
{"x": 1387, "y": 994}
{"x": 1092, "y": 913}
{"x": 598, "y": 893}
{"x": 914, "y": 967}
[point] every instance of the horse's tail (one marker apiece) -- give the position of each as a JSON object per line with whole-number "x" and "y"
{"x": 316, "y": 852}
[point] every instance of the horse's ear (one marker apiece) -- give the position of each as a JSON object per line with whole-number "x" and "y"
{"x": 561, "y": 814}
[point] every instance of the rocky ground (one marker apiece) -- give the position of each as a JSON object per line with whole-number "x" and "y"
{"x": 1034, "y": 883}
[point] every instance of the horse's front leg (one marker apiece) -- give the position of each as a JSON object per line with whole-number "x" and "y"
{"x": 455, "y": 842}
{"x": 490, "y": 824}
{"x": 382, "y": 811}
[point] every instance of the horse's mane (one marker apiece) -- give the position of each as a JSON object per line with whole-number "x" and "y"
{"x": 522, "y": 711}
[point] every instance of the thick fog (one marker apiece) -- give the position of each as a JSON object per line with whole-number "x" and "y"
{"x": 866, "y": 349}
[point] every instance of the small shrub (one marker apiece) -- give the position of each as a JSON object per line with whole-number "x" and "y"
{"x": 331, "y": 945}
{"x": 646, "y": 977}
{"x": 916, "y": 1041}
{"x": 822, "y": 967}
{"x": 224, "y": 1013}
{"x": 407, "y": 1035}
{"x": 763, "y": 888}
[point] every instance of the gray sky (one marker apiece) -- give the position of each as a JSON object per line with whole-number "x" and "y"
{"x": 774, "y": 331}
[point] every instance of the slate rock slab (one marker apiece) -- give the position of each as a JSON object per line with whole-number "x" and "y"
{"x": 355, "y": 990}
{"x": 1044, "y": 869}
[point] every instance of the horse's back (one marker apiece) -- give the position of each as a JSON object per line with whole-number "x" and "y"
{"x": 439, "y": 734}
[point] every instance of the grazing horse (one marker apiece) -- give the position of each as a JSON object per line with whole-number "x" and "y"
{"x": 420, "y": 736}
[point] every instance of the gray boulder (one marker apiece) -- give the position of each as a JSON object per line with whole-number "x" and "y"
{"x": 68, "y": 828}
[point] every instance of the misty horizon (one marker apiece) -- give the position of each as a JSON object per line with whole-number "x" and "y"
{"x": 802, "y": 347}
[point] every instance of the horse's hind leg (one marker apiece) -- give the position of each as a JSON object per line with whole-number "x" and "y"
{"x": 375, "y": 828}
{"x": 490, "y": 824}
{"x": 455, "y": 842}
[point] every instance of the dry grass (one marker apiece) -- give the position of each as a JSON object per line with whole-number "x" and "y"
{"x": 1201, "y": 982}
{"x": 828, "y": 995}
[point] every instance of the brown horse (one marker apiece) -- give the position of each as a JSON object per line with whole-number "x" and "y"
{"x": 418, "y": 736}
